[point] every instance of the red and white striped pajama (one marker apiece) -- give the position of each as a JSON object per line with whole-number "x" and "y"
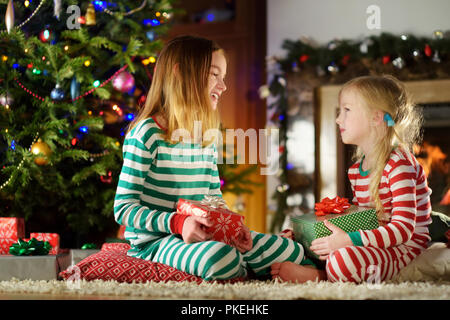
{"x": 384, "y": 251}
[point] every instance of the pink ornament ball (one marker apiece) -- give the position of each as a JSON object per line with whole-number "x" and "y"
{"x": 123, "y": 82}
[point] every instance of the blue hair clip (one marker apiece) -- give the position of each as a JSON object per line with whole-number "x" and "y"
{"x": 390, "y": 122}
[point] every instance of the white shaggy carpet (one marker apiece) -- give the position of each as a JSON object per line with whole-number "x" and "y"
{"x": 252, "y": 290}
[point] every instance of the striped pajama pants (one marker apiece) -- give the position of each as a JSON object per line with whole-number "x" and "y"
{"x": 212, "y": 260}
{"x": 368, "y": 264}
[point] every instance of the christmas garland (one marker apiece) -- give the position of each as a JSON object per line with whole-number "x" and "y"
{"x": 405, "y": 56}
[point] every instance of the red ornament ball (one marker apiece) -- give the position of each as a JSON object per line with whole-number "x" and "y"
{"x": 303, "y": 58}
{"x": 106, "y": 178}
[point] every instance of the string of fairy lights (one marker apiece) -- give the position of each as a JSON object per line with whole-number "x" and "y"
{"x": 57, "y": 96}
{"x": 96, "y": 85}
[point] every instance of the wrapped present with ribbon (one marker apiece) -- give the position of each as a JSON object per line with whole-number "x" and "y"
{"x": 29, "y": 260}
{"x": 33, "y": 247}
{"x": 310, "y": 226}
{"x": 12, "y": 228}
{"x": 52, "y": 238}
{"x": 226, "y": 223}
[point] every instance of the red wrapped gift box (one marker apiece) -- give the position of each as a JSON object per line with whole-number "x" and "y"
{"x": 5, "y": 243}
{"x": 52, "y": 238}
{"x": 12, "y": 228}
{"x": 227, "y": 224}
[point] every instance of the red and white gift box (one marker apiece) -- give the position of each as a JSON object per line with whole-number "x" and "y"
{"x": 226, "y": 224}
{"x": 52, "y": 238}
{"x": 5, "y": 243}
{"x": 12, "y": 228}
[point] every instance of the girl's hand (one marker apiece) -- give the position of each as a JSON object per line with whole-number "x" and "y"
{"x": 287, "y": 233}
{"x": 338, "y": 239}
{"x": 194, "y": 229}
{"x": 244, "y": 240}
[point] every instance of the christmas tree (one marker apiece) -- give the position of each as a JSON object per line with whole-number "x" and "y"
{"x": 72, "y": 77}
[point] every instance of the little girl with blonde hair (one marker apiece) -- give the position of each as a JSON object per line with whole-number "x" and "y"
{"x": 376, "y": 115}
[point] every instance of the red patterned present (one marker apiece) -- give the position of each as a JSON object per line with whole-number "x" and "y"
{"x": 5, "y": 243}
{"x": 52, "y": 238}
{"x": 227, "y": 224}
{"x": 13, "y": 228}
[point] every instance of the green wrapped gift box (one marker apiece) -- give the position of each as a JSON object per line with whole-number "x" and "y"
{"x": 309, "y": 227}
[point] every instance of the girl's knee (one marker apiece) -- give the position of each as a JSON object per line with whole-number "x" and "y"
{"x": 339, "y": 267}
{"x": 222, "y": 263}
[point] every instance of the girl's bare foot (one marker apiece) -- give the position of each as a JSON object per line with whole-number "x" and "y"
{"x": 291, "y": 272}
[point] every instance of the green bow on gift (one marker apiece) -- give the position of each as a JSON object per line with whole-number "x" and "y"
{"x": 88, "y": 246}
{"x": 31, "y": 248}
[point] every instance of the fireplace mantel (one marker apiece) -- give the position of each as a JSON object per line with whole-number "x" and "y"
{"x": 330, "y": 170}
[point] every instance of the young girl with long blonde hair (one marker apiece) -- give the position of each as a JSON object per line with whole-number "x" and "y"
{"x": 158, "y": 169}
{"x": 377, "y": 115}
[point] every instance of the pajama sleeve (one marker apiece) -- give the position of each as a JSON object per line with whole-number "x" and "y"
{"x": 138, "y": 155}
{"x": 401, "y": 182}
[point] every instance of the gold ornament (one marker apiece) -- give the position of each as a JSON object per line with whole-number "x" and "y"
{"x": 40, "y": 147}
{"x": 9, "y": 18}
{"x": 90, "y": 15}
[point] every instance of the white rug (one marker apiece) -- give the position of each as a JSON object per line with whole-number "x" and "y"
{"x": 252, "y": 290}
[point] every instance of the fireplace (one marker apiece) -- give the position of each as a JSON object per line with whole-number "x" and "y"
{"x": 333, "y": 158}
{"x": 434, "y": 153}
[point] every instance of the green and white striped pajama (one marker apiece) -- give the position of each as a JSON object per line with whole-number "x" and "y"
{"x": 155, "y": 174}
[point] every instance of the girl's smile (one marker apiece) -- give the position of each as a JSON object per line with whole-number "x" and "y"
{"x": 216, "y": 83}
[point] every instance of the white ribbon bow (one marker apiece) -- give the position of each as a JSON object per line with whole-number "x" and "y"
{"x": 214, "y": 201}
